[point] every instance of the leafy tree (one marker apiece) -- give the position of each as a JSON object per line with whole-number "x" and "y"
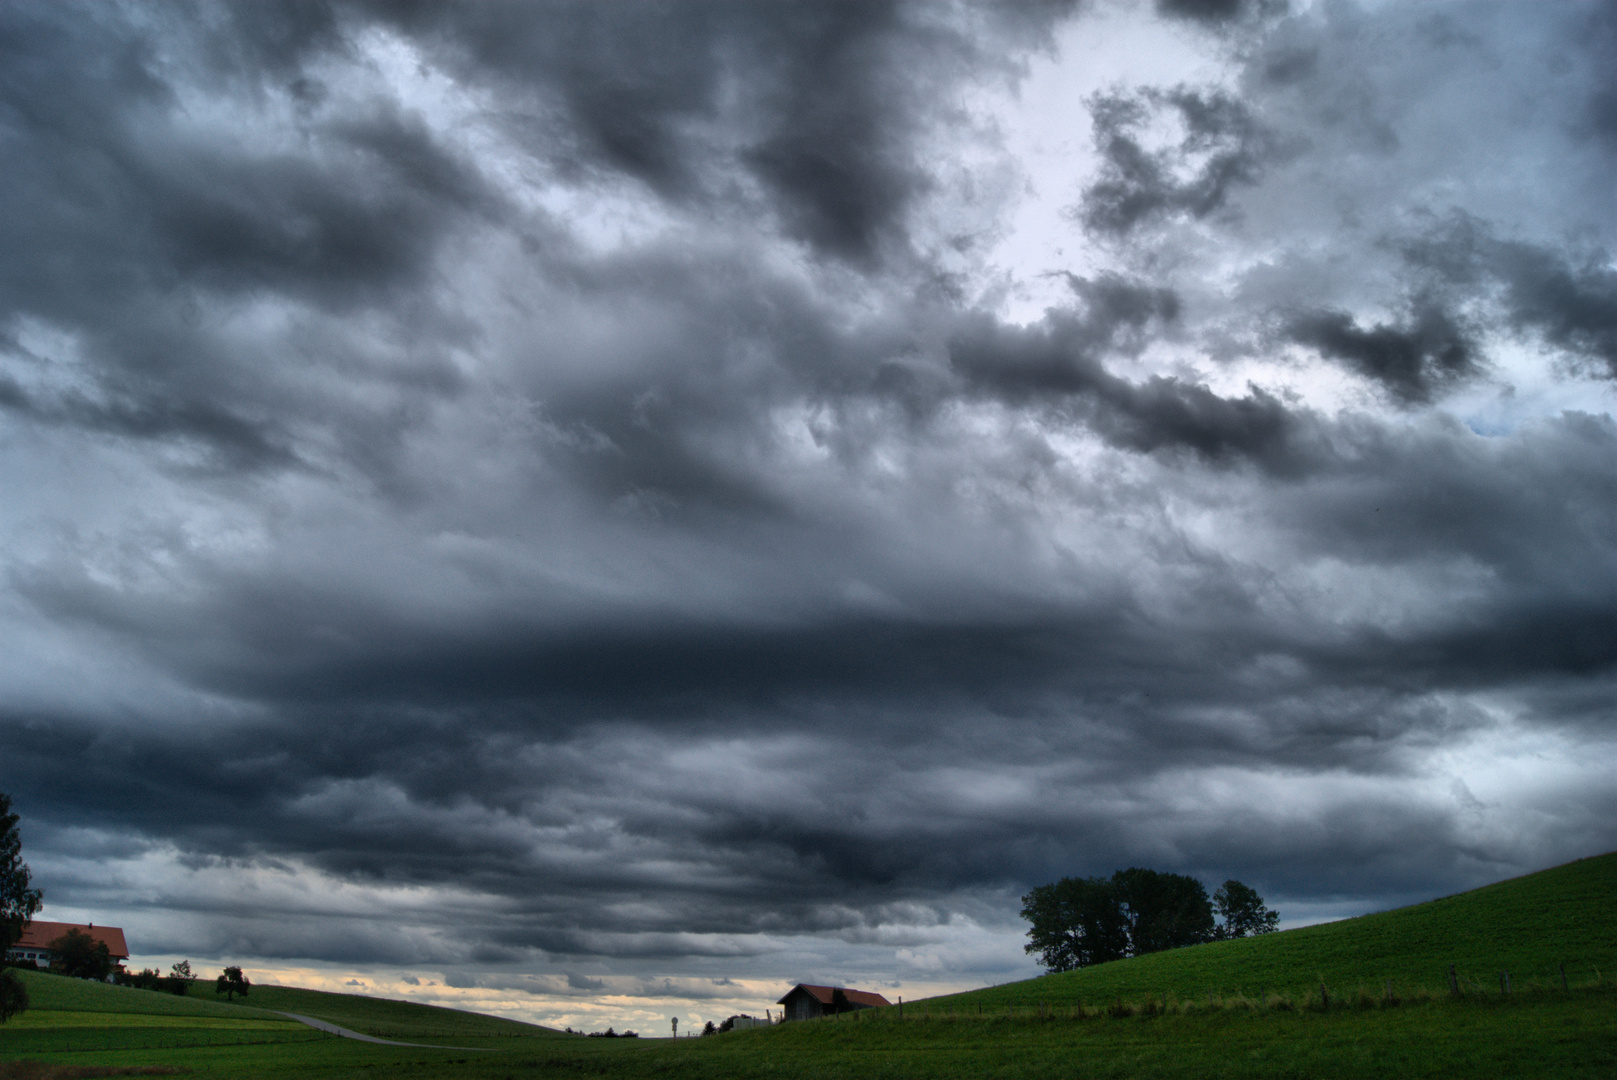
{"x": 1162, "y": 911}
{"x": 180, "y": 978}
{"x": 80, "y": 956}
{"x": 17, "y": 901}
{"x": 839, "y": 1002}
{"x": 231, "y": 983}
{"x": 1076, "y": 922}
{"x": 17, "y": 906}
{"x": 709, "y": 1029}
{"x": 1241, "y": 912}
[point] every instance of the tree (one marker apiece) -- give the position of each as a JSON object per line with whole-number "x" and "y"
{"x": 1162, "y": 911}
{"x": 709, "y": 1029}
{"x": 80, "y": 956}
{"x": 1242, "y": 912}
{"x": 17, "y": 906}
{"x": 231, "y": 983}
{"x": 180, "y": 978}
{"x": 17, "y": 901}
{"x": 1076, "y": 922}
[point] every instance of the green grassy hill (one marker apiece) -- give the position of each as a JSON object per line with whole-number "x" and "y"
{"x": 54, "y": 993}
{"x": 384, "y": 1018}
{"x": 1528, "y": 926}
{"x": 406, "y": 1021}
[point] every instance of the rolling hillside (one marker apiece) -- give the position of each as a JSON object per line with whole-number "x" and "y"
{"x": 1265, "y": 1020}
{"x": 1528, "y": 926}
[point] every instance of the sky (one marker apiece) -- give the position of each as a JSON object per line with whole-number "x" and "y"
{"x": 601, "y": 512}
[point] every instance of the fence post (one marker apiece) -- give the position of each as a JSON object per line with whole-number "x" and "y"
{"x": 901, "y": 1006}
{"x": 1454, "y": 982}
{"x": 1324, "y": 996}
{"x": 1563, "y": 977}
{"x": 1504, "y": 980}
{"x": 1389, "y": 990}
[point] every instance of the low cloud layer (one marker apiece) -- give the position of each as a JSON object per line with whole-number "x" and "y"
{"x": 617, "y": 503}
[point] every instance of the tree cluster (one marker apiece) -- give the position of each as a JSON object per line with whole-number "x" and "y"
{"x": 177, "y": 981}
{"x": 1077, "y": 922}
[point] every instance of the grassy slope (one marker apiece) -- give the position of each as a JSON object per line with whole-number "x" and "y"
{"x": 56, "y": 993}
{"x": 388, "y": 1019}
{"x": 82, "y": 1018}
{"x": 1527, "y": 926}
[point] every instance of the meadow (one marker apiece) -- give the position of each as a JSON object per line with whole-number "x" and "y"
{"x": 1313, "y": 1002}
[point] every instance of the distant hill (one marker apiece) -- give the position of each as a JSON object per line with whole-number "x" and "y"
{"x": 382, "y": 1017}
{"x": 1528, "y": 926}
{"x": 390, "y": 1019}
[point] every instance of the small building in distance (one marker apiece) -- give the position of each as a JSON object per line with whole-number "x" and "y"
{"x": 35, "y": 943}
{"x": 805, "y": 1002}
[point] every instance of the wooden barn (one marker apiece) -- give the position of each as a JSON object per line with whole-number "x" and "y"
{"x": 805, "y": 1002}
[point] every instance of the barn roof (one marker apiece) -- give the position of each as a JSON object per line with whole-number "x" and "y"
{"x": 39, "y": 935}
{"x": 822, "y": 994}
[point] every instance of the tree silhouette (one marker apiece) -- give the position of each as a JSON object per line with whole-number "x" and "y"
{"x": 231, "y": 983}
{"x": 1242, "y": 912}
{"x": 18, "y": 903}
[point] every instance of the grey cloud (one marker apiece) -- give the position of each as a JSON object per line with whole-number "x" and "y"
{"x": 1062, "y": 360}
{"x": 1570, "y": 301}
{"x": 236, "y": 443}
{"x": 1223, "y": 144}
{"x": 832, "y": 106}
{"x": 1210, "y": 12}
{"x": 1412, "y": 361}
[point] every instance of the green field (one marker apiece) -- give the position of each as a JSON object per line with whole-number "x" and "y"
{"x": 1250, "y": 1008}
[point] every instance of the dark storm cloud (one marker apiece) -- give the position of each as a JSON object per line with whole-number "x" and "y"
{"x": 128, "y": 206}
{"x": 1411, "y": 360}
{"x": 623, "y": 527}
{"x": 1568, "y": 298}
{"x": 1211, "y": 12}
{"x": 1222, "y": 147}
{"x": 834, "y": 94}
{"x": 1060, "y": 361}
{"x": 441, "y": 777}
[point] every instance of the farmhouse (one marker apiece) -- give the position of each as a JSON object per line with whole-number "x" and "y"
{"x": 35, "y": 943}
{"x": 805, "y": 1002}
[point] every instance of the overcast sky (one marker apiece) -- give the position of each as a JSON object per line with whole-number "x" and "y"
{"x": 600, "y": 512}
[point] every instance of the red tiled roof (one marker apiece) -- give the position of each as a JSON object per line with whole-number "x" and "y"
{"x": 39, "y": 935}
{"x": 822, "y": 994}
